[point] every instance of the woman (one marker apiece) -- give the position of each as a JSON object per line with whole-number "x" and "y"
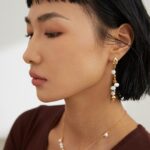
{"x": 92, "y": 54}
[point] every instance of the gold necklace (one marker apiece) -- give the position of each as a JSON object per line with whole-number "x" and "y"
{"x": 104, "y": 135}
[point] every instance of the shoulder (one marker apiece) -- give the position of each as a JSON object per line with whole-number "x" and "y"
{"x": 143, "y": 138}
{"x": 138, "y": 139}
{"x": 31, "y": 121}
{"x": 41, "y": 110}
{"x": 38, "y": 114}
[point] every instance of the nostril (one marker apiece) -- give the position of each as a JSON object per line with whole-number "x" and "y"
{"x": 30, "y": 62}
{"x": 26, "y": 58}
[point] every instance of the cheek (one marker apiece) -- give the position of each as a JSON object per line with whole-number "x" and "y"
{"x": 91, "y": 68}
{"x": 72, "y": 67}
{"x": 75, "y": 66}
{"x": 72, "y": 75}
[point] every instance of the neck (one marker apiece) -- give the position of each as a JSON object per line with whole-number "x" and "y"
{"x": 90, "y": 114}
{"x": 89, "y": 121}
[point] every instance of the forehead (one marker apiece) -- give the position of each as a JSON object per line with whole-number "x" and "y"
{"x": 64, "y": 8}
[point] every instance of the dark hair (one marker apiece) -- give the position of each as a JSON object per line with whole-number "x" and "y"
{"x": 133, "y": 70}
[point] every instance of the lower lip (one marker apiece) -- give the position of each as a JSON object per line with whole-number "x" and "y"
{"x": 38, "y": 82}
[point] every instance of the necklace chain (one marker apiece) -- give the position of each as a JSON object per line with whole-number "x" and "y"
{"x": 104, "y": 135}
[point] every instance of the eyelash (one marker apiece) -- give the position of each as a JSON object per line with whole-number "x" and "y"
{"x": 29, "y": 35}
{"x": 49, "y": 35}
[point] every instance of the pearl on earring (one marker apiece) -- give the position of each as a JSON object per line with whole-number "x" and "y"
{"x": 115, "y": 84}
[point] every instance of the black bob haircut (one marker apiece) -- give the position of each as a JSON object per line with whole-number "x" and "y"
{"x": 133, "y": 70}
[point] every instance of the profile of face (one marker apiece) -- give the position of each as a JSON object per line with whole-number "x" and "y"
{"x": 62, "y": 48}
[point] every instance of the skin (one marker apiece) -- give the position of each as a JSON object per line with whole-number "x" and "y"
{"x": 77, "y": 70}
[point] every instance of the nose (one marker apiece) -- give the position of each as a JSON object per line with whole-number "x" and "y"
{"x": 32, "y": 54}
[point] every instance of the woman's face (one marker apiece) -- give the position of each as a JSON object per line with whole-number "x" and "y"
{"x": 70, "y": 61}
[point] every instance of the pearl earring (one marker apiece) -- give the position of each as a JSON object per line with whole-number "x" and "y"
{"x": 115, "y": 84}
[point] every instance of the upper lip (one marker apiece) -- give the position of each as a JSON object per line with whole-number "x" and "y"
{"x": 36, "y": 76}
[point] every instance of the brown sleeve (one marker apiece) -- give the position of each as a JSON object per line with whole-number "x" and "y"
{"x": 138, "y": 139}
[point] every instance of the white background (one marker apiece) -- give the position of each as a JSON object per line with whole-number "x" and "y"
{"x": 16, "y": 92}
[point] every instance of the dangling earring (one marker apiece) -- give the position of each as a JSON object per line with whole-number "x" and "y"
{"x": 115, "y": 84}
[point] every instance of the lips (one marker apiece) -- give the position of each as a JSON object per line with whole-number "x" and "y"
{"x": 34, "y": 75}
{"x": 37, "y": 79}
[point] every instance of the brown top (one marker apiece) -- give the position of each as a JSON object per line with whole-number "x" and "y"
{"x": 30, "y": 131}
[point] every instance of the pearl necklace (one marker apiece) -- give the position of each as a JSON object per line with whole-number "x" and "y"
{"x": 105, "y": 134}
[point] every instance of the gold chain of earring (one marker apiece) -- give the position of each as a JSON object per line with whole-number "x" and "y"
{"x": 115, "y": 84}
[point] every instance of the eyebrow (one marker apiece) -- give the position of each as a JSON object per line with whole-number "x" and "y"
{"x": 46, "y": 17}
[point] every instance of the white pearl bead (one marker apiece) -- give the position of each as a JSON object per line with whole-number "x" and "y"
{"x": 116, "y": 84}
{"x": 113, "y": 88}
{"x": 113, "y": 93}
{"x": 113, "y": 72}
{"x": 105, "y": 135}
{"x": 61, "y": 146}
{"x": 60, "y": 140}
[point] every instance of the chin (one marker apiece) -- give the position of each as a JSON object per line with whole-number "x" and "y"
{"x": 47, "y": 99}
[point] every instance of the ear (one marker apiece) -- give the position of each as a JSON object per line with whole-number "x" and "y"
{"x": 124, "y": 35}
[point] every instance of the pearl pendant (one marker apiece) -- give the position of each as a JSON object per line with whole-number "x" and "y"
{"x": 61, "y": 145}
{"x": 106, "y": 135}
{"x": 116, "y": 84}
{"x": 113, "y": 71}
{"x": 113, "y": 88}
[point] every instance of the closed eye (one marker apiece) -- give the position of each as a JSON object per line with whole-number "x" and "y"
{"x": 53, "y": 34}
{"x": 48, "y": 34}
